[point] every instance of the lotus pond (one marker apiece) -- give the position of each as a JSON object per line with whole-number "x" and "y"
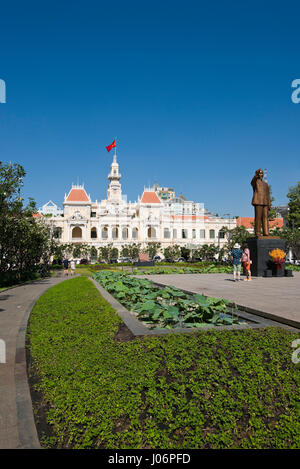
{"x": 169, "y": 307}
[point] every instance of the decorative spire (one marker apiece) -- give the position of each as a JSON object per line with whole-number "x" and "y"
{"x": 114, "y": 191}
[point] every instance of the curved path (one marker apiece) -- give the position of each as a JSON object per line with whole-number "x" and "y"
{"x": 17, "y": 427}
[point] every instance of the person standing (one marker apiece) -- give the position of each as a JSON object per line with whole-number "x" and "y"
{"x": 66, "y": 266}
{"x": 72, "y": 265}
{"x": 236, "y": 256}
{"x": 246, "y": 261}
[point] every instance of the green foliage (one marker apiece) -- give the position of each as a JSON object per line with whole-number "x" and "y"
{"x": 25, "y": 242}
{"x": 152, "y": 249}
{"x": 239, "y": 234}
{"x": 293, "y": 216}
{"x": 131, "y": 250}
{"x": 206, "y": 251}
{"x": 213, "y": 390}
{"x": 172, "y": 252}
{"x": 168, "y": 307}
{"x": 108, "y": 252}
{"x": 179, "y": 269}
{"x": 272, "y": 212}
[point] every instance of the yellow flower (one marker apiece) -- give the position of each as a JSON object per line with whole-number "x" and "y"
{"x": 277, "y": 254}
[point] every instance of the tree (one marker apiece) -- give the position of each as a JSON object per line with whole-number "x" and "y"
{"x": 239, "y": 234}
{"x": 152, "y": 249}
{"x": 25, "y": 241}
{"x": 185, "y": 252}
{"x": 108, "y": 252}
{"x": 293, "y": 217}
{"x": 172, "y": 252}
{"x": 272, "y": 212}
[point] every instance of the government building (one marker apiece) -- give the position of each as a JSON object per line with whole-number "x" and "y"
{"x": 159, "y": 215}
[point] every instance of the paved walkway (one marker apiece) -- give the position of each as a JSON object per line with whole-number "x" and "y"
{"x": 17, "y": 428}
{"x": 275, "y": 298}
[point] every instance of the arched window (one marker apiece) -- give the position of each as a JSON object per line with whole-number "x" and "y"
{"x": 115, "y": 232}
{"x": 94, "y": 233}
{"x": 104, "y": 232}
{"x": 167, "y": 233}
{"x": 212, "y": 234}
{"x": 174, "y": 234}
{"x": 77, "y": 233}
{"x": 151, "y": 232}
{"x": 194, "y": 234}
{"x": 221, "y": 234}
{"x": 135, "y": 233}
{"x": 124, "y": 233}
{"x": 202, "y": 234}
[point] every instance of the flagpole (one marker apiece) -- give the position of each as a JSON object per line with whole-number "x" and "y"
{"x": 116, "y": 147}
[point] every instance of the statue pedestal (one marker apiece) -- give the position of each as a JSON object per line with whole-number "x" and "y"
{"x": 259, "y": 254}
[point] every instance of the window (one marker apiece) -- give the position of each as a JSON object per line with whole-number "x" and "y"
{"x": 93, "y": 233}
{"x": 135, "y": 233}
{"x": 194, "y": 234}
{"x": 151, "y": 232}
{"x": 115, "y": 233}
{"x": 77, "y": 233}
{"x": 184, "y": 234}
{"x": 57, "y": 232}
{"x": 221, "y": 234}
{"x": 212, "y": 234}
{"x": 202, "y": 234}
{"x": 167, "y": 233}
{"x": 93, "y": 214}
{"x": 125, "y": 233}
{"x": 174, "y": 234}
{"x": 104, "y": 232}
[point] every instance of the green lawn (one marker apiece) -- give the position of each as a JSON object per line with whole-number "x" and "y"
{"x": 232, "y": 389}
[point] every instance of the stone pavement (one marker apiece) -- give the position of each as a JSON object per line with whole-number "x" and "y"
{"x": 276, "y": 298}
{"x": 17, "y": 427}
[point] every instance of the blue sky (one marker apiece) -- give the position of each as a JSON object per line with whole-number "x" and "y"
{"x": 197, "y": 93}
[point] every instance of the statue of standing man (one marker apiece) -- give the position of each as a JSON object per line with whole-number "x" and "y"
{"x": 262, "y": 203}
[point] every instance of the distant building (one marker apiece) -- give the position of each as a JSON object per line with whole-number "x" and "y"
{"x": 157, "y": 216}
{"x": 248, "y": 223}
{"x": 282, "y": 211}
{"x": 50, "y": 208}
{"x": 164, "y": 193}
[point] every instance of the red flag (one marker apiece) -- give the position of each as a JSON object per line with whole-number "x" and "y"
{"x": 112, "y": 145}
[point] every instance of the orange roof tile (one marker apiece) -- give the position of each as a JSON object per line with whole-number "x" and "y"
{"x": 36, "y": 215}
{"x": 248, "y": 222}
{"x": 150, "y": 198}
{"x": 77, "y": 195}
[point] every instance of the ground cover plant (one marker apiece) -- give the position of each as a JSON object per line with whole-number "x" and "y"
{"x": 207, "y": 269}
{"x": 216, "y": 389}
{"x": 169, "y": 307}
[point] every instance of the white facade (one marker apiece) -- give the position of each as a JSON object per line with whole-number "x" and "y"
{"x": 50, "y": 208}
{"x": 150, "y": 219}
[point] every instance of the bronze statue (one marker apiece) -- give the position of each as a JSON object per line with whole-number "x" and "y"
{"x": 262, "y": 203}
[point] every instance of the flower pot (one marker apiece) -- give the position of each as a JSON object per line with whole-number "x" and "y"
{"x": 278, "y": 270}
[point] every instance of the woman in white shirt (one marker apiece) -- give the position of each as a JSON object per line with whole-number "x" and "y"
{"x": 72, "y": 265}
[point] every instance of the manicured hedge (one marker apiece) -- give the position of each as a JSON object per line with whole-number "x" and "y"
{"x": 233, "y": 389}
